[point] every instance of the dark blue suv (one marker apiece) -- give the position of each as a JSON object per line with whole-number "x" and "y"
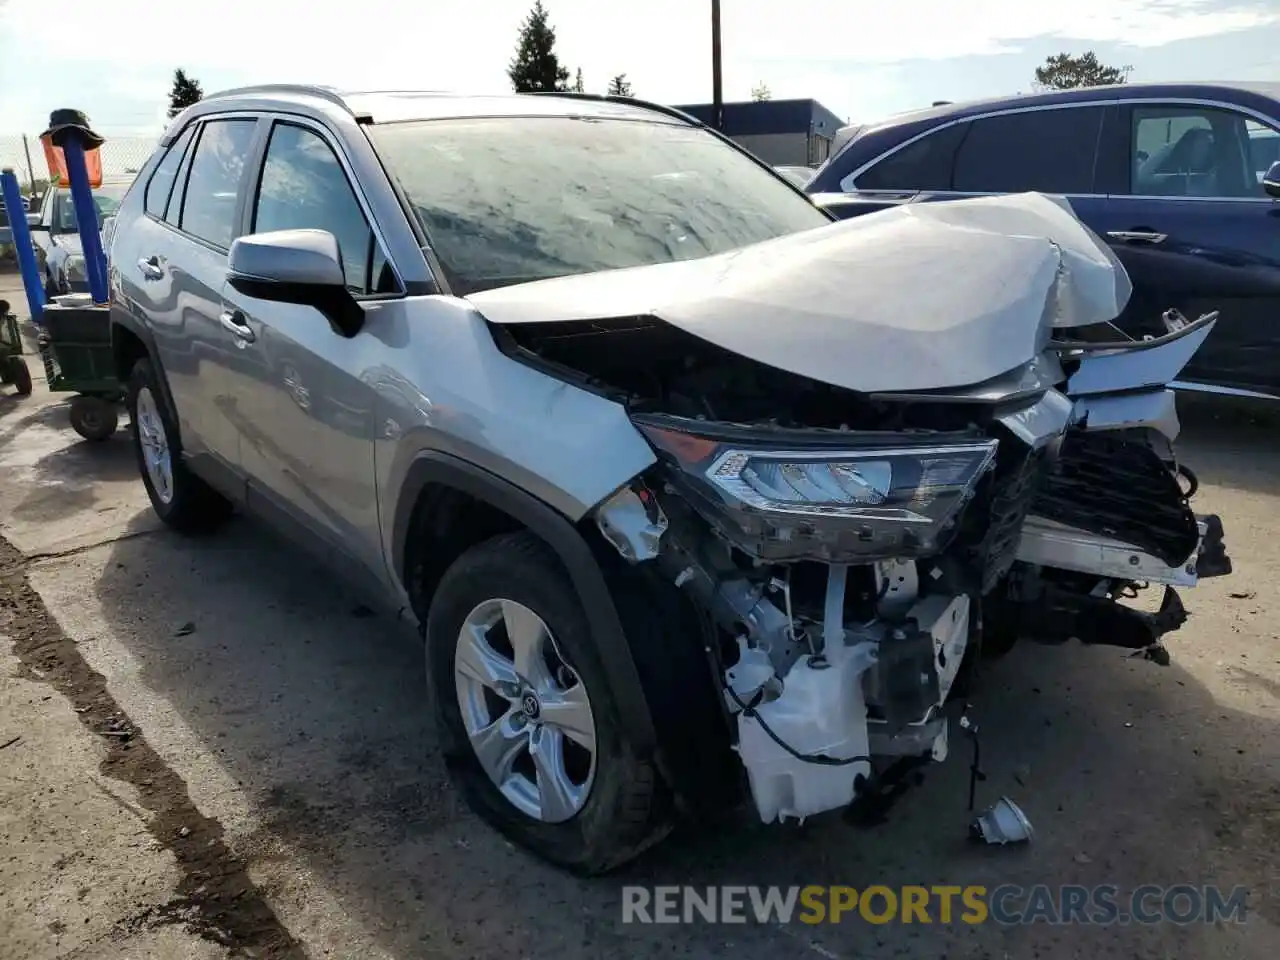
{"x": 1179, "y": 178}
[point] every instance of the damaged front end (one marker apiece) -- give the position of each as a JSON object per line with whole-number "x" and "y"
{"x": 852, "y": 552}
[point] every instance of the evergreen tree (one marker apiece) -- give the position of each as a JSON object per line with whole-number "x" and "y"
{"x": 761, "y": 93}
{"x": 578, "y": 85}
{"x": 620, "y": 86}
{"x": 535, "y": 67}
{"x": 183, "y": 93}
{"x": 1064, "y": 72}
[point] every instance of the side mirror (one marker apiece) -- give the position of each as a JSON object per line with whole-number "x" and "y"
{"x": 33, "y": 222}
{"x": 1271, "y": 180}
{"x": 296, "y": 266}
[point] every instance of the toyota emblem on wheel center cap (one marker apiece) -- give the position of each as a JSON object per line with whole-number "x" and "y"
{"x": 530, "y": 706}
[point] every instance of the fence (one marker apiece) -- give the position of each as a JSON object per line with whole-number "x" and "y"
{"x": 121, "y": 155}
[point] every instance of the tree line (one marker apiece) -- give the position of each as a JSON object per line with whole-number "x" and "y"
{"x": 536, "y": 68}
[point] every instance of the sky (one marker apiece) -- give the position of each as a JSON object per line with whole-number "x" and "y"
{"x": 863, "y": 59}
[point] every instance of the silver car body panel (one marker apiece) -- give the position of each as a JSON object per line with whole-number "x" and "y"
{"x": 862, "y": 304}
{"x": 1050, "y": 544}
{"x": 1140, "y": 366}
{"x": 1153, "y": 409}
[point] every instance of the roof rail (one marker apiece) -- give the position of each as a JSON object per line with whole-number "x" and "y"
{"x": 612, "y": 98}
{"x": 306, "y": 89}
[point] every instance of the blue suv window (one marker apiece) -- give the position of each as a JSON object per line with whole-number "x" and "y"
{"x": 925, "y": 164}
{"x": 1194, "y": 151}
{"x": 1051, "y": 151}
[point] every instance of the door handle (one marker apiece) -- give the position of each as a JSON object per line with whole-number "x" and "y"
{"x": 233, "y": 321}
{"x": 151, "y": 268}
{"x": 1138, "y": 236}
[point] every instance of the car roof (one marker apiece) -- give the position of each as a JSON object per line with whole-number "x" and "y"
{"x": 1120, "y": 91}
{"x": 392, "y": 106}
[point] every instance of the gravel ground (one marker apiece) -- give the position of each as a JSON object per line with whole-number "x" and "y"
{"x": 213, "y": 749}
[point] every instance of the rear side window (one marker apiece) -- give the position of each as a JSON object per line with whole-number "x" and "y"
{"x": 209, "y": 206}
{"x": 923, "y": 165}
{"x": 1051, "y": 151}
{"x": 161, "y": 183}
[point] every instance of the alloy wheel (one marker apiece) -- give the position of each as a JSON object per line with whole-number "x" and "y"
{"x": 525, "y": 710}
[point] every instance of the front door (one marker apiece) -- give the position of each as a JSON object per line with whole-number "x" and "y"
{"x": 310, "y": 454}
{"x": 1196, "y": 232}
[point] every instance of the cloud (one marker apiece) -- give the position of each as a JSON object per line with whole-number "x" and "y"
{"x": 662, "y": 45}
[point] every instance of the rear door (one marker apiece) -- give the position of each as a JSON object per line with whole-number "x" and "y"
{"x": 1187, "y": 216}
{"x": 172, "y": 267}
{"x": 309, "y": 455}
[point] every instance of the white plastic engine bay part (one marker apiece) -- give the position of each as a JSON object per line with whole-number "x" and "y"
{"x": 818, "y": 708}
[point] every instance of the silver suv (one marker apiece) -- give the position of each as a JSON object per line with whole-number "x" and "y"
{"x": 695, "y": 494}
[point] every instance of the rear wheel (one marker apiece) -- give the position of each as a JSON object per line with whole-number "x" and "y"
{"x": 179, "y": 497}
{"x": 527, "y": 719}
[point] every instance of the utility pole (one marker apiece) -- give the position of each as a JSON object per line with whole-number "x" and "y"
{"x": 717, "y": 93}
{"x": 31, "y": 171}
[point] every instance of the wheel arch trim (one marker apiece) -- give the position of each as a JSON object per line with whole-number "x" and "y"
{"x": 434, "y": 467}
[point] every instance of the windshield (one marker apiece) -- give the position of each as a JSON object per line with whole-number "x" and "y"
{"x": 106, "y": 198}
{"x": 509, "y": 200}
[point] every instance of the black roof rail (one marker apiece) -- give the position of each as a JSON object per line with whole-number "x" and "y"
{"x": 613, "y": 98}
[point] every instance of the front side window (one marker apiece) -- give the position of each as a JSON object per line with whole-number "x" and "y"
{"x": 1048, "y": 151}
{"x": 925, "y": 164}
{"x": 514, "y": 199}
{"x": 1194, "y": 151}
{"x": 209, "y": 204}
{"x": 303, "y": 186}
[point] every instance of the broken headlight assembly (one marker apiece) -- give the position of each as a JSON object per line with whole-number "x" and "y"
{"x": 874, "y": 497}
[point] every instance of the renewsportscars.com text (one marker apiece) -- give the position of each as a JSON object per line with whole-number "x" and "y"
{"x": 1008, "y": 904}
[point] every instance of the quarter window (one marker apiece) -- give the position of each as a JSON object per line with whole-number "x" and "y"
{"x": 1195, "y": 151}
{"x": 209, "y": 205}
{"x": 1050, "y": 151}
{"x": 161, "y": 183}
{"x": 303, "y": 186}
{"x": 925, "y": 164}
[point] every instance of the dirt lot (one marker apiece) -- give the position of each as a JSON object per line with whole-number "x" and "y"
{"x": 212, "y": 749}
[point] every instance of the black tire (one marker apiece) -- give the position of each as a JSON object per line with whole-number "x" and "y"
{"x": 194, "y": 507}
{"x": 7, "y": 371}
{"x": 94, "y": 418}
{"x": 628, "y": 808}
{"x": 21, "y": 377}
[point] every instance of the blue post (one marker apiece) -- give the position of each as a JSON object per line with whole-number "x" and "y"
{"x": 95, "y": 264}
{"x": 22, "y": 244}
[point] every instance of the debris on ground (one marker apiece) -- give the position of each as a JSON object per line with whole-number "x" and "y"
{"x": 185, "y": 630}
{"x": 1003, "y": 822}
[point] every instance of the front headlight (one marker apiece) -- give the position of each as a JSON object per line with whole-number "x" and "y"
{"x": 853, "y": 503}
{"x": 75, "y": 267}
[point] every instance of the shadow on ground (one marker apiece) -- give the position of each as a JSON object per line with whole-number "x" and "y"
{"x": 1137, "y": 775}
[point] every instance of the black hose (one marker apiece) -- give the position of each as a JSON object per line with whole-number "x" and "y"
{"x": 749, "y": 710}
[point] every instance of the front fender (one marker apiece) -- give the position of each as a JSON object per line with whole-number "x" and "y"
{"x": 432, "y": 467}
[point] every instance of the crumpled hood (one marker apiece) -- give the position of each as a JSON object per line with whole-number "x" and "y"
{"x": 917, "y": 297}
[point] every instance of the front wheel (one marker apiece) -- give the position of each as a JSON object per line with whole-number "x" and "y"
{"x": 179, "y": 497}
{"x": 526, "y": 716}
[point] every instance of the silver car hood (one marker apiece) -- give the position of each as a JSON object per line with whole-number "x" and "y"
{"x": 917, "y": 297}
